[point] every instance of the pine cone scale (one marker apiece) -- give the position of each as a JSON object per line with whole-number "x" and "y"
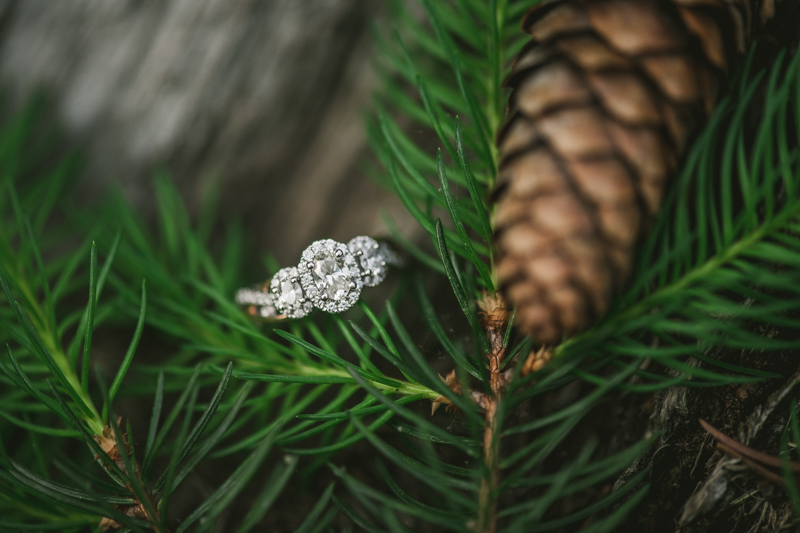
{"x": 555, "y": 18}
{"x": 552, "y": 88}
{"x": 588, "y": 52}
{"x": 576, "y": 133}
{"x": 710, "y": 35}
{"x": 624, "y": 96}
{"x": 675, "y": 77}
{"x": 633, "y": 28}
{"x": 643, "y": 149}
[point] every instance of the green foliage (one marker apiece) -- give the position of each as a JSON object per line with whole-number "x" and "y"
{"x": 281, "y": 402}
{"x": 719, "y": 266}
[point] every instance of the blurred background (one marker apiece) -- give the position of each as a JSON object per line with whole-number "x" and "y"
{"x": 259, "y": 102}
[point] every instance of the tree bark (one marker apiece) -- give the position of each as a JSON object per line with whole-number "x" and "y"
{"x": 263, "y": 95}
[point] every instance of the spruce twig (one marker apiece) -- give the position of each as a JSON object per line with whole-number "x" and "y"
{"x": 494, "y": 321}
{"x": 143, "y": 509}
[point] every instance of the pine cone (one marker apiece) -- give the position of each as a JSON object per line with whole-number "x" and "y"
{"x": 605, "y": 98}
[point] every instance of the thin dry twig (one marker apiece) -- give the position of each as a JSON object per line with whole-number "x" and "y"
{"x": 745, "y": 451}
{"x": 769, "y": 475}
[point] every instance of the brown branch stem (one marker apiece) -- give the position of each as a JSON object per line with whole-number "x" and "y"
{"x": 108, "y": 443}
{"x": 495, "y": 316}
{"x": 487, "y": 504}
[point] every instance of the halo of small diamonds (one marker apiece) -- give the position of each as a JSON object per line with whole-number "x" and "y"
{"x": 330, "y": 276}
{"x": 288, "y": 294}
{"x": 371, "y": 258}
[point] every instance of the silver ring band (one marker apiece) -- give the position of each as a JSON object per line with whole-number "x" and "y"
{"x": 330, "y": 277}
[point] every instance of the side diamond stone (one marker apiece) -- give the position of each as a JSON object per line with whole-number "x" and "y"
{"x": 372, "y": 259}
{"x": 268, "y": 311}
{"x": 330, "y": 276}
{"x": 288, "y": 293}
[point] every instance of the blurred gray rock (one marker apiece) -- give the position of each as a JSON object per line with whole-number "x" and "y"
{"x": 265, "y": 95}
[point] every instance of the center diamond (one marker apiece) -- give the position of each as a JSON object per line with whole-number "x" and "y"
{"x": 330, "y": 276}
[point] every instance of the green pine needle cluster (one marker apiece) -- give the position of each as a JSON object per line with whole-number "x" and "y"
{"x": 281, "y": 402}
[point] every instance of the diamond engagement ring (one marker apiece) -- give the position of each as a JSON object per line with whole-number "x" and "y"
{"x": 330, "y": 277}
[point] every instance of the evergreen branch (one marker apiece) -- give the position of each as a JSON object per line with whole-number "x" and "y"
{"x": 87, "y": 342}
{"x": 474, "y": 192}
{"x": 126, "y": 361}
{"x": 470, "y": 250}
{"x": 56, "y": 362}
{"x": 231, "y": 488}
